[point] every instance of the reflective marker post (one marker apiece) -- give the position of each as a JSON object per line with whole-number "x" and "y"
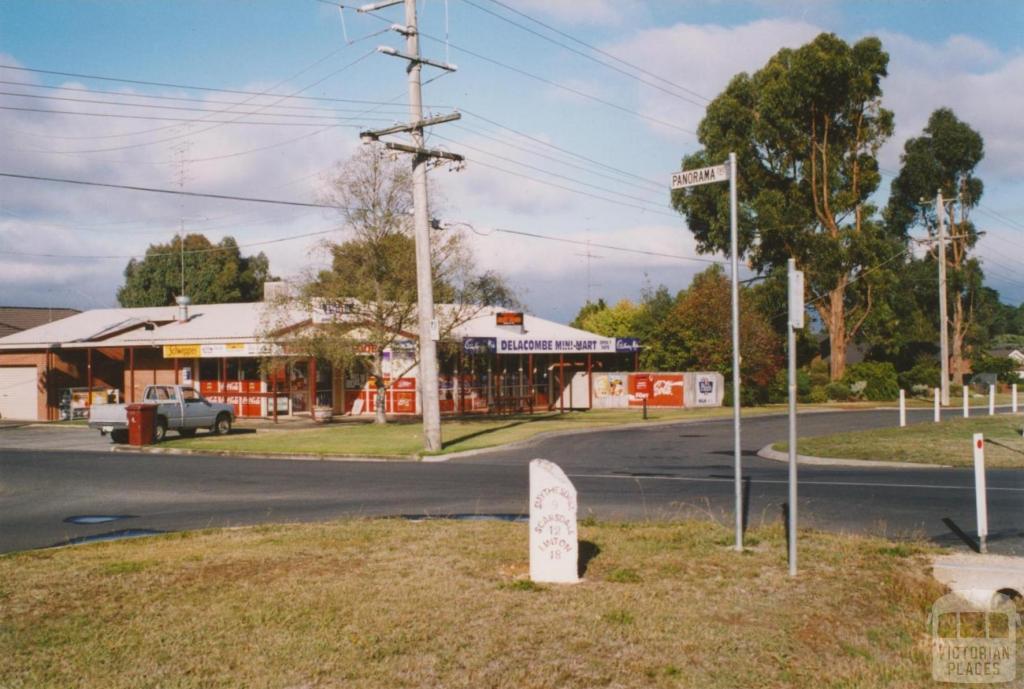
{"x": 709, "y": 175}
{"x": 980, "y": 497}
{"x": 796, "y": 321}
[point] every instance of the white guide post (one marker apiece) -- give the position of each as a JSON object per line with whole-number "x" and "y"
{"x": 991, "y": 400}
{"x": 937, "y": 407}
{"x": 903, "y": 408}
{"x": 980, "y": 497}
{"x": 967, "y": 404}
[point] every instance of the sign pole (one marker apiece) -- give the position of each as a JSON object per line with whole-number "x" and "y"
{"x": 796, "y": 321}
{"x": 710, "y": 175}
{"x": 737, "y": 455}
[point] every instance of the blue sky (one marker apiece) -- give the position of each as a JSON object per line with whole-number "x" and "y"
{"x": 958, "y": 54}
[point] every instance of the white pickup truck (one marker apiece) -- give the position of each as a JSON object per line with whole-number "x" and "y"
{"x": 179, "y": 408}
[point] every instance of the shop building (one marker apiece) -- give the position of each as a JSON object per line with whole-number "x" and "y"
{"x": 494, "y": 361}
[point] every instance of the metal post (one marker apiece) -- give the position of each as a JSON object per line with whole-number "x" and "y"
{"x": 737, "y": 459}
{"x": 88, "y": 378}
{"x": 561, "y": 383}
{"x": 903, "y": 408}
{"x": 131, "y": 373}
{"x": 590, "y": 382}
{"x": 940, "y": 213}
{"x": 792, "y": 384}
{"x": 938, "y": 410}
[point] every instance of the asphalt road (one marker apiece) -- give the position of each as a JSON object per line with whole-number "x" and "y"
{"x": 49, "y": 475}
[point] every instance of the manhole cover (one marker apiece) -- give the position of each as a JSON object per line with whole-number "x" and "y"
{"x": 96, "y": 518}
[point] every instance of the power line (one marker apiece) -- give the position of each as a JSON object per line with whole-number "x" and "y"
{"x": 122, "y": 104}
{"x": 600, "y": 51}
{"x": 543, "y": 171}
{"x": 178, "y": 192}
{"x": 586, "y": 56}
{"x": 173, "y": 253}
{"x": 155, "y": 118}
{"x": 162, "y": 84}
{"x": 608, "y": 247}
{"x": 570, "y": 189}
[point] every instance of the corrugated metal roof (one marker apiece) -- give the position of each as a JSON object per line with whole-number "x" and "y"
{"x": 16, "y": 319}
{"x": 231, "y": 323}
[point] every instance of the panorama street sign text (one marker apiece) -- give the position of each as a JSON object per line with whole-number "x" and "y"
{"x": 704, "y": 175}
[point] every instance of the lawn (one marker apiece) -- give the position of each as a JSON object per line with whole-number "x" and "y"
{"x": 392, "y": 603}
{"x": 948, "y": 442}
{"x": 404, "y": 438}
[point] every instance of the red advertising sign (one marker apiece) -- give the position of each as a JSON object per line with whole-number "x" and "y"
{"x": 659, "y": 389}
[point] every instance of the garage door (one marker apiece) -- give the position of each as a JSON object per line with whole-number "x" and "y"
{"x": 18, "y": 396}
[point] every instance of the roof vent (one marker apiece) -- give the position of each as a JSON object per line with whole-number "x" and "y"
{"x": 183, "y": 303}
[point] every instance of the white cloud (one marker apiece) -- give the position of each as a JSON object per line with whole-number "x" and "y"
{"x": 983, "y": 87}
{"x": 592, "y": 12}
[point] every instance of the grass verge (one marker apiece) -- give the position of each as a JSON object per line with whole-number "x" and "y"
{"x": 404, "y": 438}
{"x": 948, "y": 442}
{"x": 391, "y": 603}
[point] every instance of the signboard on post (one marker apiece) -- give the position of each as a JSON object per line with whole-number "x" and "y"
{"x": 705, "y": 175}
{"x": 796, "y": 299}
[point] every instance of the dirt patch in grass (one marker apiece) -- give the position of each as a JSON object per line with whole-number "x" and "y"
{"x": 390, "y": 603}
{"x": 948, "y": 443}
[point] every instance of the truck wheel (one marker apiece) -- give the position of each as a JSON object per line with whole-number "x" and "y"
{"x": 119, "y": 435}
{"x": 187, "y": 432}
{"x": 160, "y": 430}
{"x": 223, "y": 425}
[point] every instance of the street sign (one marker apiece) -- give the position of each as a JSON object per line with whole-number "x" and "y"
{"x": 704, "y": 175}
{"x": 796, "y": 299}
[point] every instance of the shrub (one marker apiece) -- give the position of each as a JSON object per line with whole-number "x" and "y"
{"x": 1004, "y": 367}
{"x": 923, "y": 373}
{"x": 838, "y": 392}
{"x": 818, "y": 373}
{"x": 817, "y": 395}
{"x": 881, "y": 381}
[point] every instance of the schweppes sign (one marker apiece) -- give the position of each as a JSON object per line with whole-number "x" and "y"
{"x": 182, "y": 351}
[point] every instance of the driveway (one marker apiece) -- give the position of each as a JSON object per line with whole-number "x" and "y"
{"x": 53, "y": 437}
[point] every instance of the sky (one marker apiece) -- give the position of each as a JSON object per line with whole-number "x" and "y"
{"x": 264, "y": 98}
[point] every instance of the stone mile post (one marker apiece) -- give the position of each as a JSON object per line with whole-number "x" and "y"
{"x": 554, "y": 540}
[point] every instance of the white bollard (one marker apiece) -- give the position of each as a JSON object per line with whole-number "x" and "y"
{"x": 903, "y": 408}
{"x": 938, "y": 407}
{"x": 967, "y": 408}
{"x": 980, "y": 497}
{"x": 1013, "y": 398}
{"x": 991, "y": 400}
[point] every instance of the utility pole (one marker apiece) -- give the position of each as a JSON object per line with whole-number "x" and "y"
{"x": 421, "y": 157}
{"x": 940, "y": 214}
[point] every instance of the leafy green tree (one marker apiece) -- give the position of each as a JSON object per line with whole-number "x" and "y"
{"x": 944, "y": 158}
{"x": 587, "y": 310}
{"x": 697, "y": 333}
{"x": 213, "y": 273}
{"x": 806, "y": 129}
{"x": 616, "y": 321}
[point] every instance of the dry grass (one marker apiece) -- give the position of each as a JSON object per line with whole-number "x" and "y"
{"x": 948, "y": 443}
{"x": 389, "y": 603}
